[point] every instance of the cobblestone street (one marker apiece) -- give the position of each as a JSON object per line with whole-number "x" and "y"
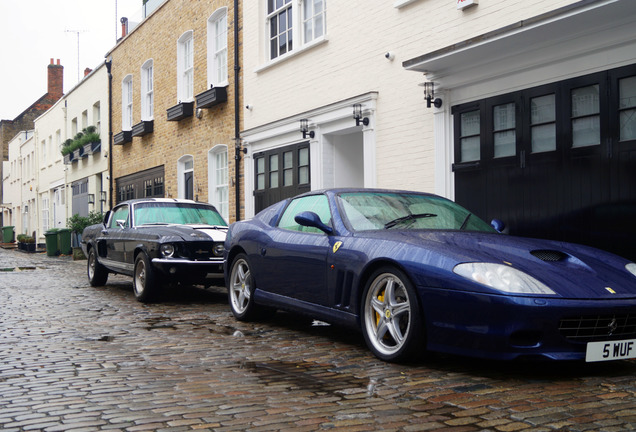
{"x": 73, "y": 357}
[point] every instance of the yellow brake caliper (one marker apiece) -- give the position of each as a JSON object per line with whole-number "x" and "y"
{"x": 377, "y": 315}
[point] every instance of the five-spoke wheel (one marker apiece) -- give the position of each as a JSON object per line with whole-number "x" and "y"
{"x": 97, "y": 273}
{"x": 144, "y": 280}
{"x": 240, "y": 289}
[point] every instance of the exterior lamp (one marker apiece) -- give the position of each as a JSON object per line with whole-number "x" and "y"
{"x": 429, "y": 95}
{"x": 357, "y": 115}
{"x": 91, "y": 198}
{"x": 102, "y": 196}
{"x": 304, "y": 129}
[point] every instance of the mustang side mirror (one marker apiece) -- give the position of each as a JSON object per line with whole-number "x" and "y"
{"x": 498, "y": 225}
{"x": 105, "y": 220}
{"x": 311, "y": 219}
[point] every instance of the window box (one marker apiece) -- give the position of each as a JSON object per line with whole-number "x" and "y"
{"x": 78, "y": 154}
{"x": 143, "y": 128}
{"x": 122, "y": 137}
{"x": 212, "y": 97}
{"x": 181, "y": 111}
{"x": 92, "y": 147}
{"x": 68, "y": 158}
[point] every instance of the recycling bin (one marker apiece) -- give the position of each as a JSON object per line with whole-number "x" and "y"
{"x": 64, "y": 241}
{"x": 7, "y": 234}
{"x": 52, "y": 248}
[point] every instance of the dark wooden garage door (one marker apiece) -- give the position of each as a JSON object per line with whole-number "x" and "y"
{"x": 556, "y": 161}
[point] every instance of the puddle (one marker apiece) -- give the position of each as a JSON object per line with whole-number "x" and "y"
{"x": 17, "y": 269}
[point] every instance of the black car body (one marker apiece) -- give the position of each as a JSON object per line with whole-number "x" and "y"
{"x": 156, "y": 241}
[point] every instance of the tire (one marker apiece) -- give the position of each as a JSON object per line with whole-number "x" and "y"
{"x": 145, "y": 284}
{"x": 97, "y": 273}
{"x": 391, "y": 320}
{"x": 240, "y": 290}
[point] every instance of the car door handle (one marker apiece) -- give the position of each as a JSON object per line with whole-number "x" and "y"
{"x": 263, "y": 252}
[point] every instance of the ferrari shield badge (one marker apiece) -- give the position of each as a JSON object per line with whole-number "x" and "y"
{"x": 336, "y": 246}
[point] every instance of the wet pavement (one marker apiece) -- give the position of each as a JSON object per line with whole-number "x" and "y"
{"x": 77, "y": 358}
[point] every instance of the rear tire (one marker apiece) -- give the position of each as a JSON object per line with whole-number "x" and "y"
{"x": 97, "y": 273}
{"x": 145, "y": 284}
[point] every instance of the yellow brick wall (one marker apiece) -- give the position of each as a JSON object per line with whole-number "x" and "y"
{"x": 156, "y": 38}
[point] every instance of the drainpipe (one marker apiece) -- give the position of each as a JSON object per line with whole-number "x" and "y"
{"x": 237, "y": 130}
{"x": 109, "y": 65}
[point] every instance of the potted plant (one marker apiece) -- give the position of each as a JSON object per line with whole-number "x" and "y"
{"x": 67, "y": 151}
{"x": 91, "y": 140}
{"x": 76, "y": 224}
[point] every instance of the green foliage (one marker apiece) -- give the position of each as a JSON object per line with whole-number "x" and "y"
{"x": 77, "y": 223}
{"x": 25, "y": 238}
{"x": 88, "y": 135}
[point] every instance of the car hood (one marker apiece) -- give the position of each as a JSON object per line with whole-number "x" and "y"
{"x": 190, "y": 232}
{"x": 571, "y": 270}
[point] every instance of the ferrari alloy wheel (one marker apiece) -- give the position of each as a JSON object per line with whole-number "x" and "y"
{"x": 240, "y": 289}
{"x": 144, "y": 280}
{"x": 97, "y": 273}
{"x": 391, "y": 322}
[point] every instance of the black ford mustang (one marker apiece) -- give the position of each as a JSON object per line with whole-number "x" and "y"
{"x": 156, "y": 240}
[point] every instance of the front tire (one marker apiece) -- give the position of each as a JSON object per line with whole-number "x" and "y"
{"x": 97, "y": 273}
{"x": 391, "y": 321}
{"x": 144, "y": 279}
{"x": 241, "y": 290}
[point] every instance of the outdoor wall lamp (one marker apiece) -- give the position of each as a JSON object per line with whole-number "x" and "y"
{"x": 429, "y": 95}
{"x": 304, "y": 129}
{"x": 357, "y": 115}
{"x": 91, "y": 198}
{"x": 102, "y": 196}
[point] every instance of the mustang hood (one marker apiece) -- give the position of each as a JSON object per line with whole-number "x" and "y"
{"x": 570, "y": 270}
{"x": 192, "y": 232}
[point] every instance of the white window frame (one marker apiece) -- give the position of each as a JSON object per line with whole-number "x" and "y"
{"x": 127, "y": 103}
{"x": 147, "y": 90}
{"x": 182, "y": 168}
{"x": 313, "y": 19}
{"x": 300, "y": 41}
{"x": 217, "y": 49}
{"x": 45, "y": 211}
{"x": 185, "y": 67}
{"x": 216, "y": 186}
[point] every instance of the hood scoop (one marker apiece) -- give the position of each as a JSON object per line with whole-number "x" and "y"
{"x": 549, "y": 255}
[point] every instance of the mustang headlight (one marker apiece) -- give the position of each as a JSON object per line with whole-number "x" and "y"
{"x": 218, "y": 249}
{"x": 502, "y": 278}
{"x": 631, "y": 267}
{"x": 167, "y": 250}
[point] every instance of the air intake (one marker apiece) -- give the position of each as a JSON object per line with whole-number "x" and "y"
{"x": 549, "y": 255}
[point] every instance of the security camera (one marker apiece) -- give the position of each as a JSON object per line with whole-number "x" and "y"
{"x": 107, "y": 177}
{"x": 389, "y": 55}
{"x": 249, "y": 107}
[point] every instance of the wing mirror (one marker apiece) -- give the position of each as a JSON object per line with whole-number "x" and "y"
{"x": 311, "y": 219}
{"x": 105, "y": 220}
{"x": 498, "y": 225}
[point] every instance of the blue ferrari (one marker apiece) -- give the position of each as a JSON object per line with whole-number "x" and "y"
{"x": 416, "y": 272}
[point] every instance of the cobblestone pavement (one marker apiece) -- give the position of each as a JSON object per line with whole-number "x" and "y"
{"x": 78, "y": 358}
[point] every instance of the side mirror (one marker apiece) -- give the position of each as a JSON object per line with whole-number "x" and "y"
{"x": 105, "y": 220}
{"x": 311, "y": 219}
{"x": 498, "y": 225}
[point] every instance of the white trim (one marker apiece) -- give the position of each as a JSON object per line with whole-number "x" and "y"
{"x": 213, "y": 79}
{"x": 185, "y": 55}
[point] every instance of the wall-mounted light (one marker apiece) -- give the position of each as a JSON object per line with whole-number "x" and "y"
{"x": 26, "y": 208}
{"x": 102, "y": 196}
{"x": 429, "y": 95}
{"x": 91, "y": 198}
{"x": 199, "y": 113}
{"x": 304, "y": 129}
{"x": 357, "y": 115}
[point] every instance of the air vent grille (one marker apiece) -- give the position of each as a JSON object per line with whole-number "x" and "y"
{"x": 549, "y": 255}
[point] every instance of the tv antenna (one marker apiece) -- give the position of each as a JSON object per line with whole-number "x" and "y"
{"x": 78, "y": 48}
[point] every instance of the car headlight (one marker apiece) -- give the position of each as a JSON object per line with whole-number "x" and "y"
{"x": 502, "y": 278}
{"x": 167, "y": 250}
{"x": 218, "y": 249}
{"x": 631, "y": 267}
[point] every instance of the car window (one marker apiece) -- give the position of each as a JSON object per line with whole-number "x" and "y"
{"x": 177, "y": 213}
{"x": 120, "y": 214}
{"x": 314, "y": 203}
{"x": 393, "y": 210}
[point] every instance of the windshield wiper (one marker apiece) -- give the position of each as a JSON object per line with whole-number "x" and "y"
{"x": 461, "y": 228}
{"x": 154, "y": 223}
{"x": 409, "y": 217}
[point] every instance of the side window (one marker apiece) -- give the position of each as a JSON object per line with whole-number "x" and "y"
{"x": 119, "y": 214}
{"x": 315, "y": 203}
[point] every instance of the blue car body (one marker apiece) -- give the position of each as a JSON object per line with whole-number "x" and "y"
{"x": 323, "y": 275}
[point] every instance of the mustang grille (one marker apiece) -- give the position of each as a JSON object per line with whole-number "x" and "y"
{"x": 549, "y": 255}
{"x": 199, "y": 250}
{"x": 598, "y": 328}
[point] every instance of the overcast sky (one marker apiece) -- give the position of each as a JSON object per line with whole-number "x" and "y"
{"x": 35, "y": 31}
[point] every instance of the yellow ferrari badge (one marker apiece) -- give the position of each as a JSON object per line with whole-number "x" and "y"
{"x": 337, "y": 246}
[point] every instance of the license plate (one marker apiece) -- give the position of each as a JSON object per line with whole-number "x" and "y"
{"x": 612, "y": 350}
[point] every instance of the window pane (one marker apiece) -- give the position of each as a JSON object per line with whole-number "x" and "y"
{"x": 504, "y": 117}
{"x": 585, "y": 101}
{"x": 273, "y": 171}
{"x": 586, "y": 132}
{"x": 470, "y": 123}
{"x": 303, "y": 156}
{"x": 627, "y": 99}
{"x": 628, "y": 125}
{"x": 470, "y": 128}
{"x": 542, "y": 109}
{"x": 543, "y": 138}
{"x": 470, "y": 149}
{"x": 288, "y": 173}
{"x": 505, "y": 144}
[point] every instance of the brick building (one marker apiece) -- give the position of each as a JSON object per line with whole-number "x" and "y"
{"x": 174, "y": 121}
{"x": 23, "y": 122}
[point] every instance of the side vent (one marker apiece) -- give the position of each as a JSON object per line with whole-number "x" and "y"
{"x": 549, "y": 255}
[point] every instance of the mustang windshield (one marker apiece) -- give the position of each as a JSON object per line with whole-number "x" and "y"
{"x": 164, "y": 213}
{"x": 393, "y": 210}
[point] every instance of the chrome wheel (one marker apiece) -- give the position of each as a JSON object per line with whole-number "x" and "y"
{"x": 97, "y": 273}
{"x": 240, "y": 286}
{"x": 144, "y": 284}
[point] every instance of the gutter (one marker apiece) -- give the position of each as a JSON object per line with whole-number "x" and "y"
{"x": 237, "y": 130}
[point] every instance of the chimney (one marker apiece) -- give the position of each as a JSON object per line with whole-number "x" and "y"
{"x": 87, "y": 71}
{"x": 124, "y": 26}
{"x": 55, "y": 87}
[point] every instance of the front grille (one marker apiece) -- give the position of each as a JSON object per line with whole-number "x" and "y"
{"x": 549, "y": 255}
{"x": 599, "y": 327}
{"x": 200, "y": 250}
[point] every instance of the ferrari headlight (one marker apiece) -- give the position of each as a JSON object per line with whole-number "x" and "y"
{"x": 167, "y": 250}
{"x": 631, "y": 267}
{"x": 218, "y": 249}
{"x": 502, "y": 278}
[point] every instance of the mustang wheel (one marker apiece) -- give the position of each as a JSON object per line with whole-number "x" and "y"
{"x": 391, "y": 321}
{"x": 97, "y": 273}
{"x": 241, "y": 288}
{"x": 144, "y": 280}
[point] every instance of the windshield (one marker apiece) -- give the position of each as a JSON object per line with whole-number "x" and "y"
{"x": 367, "y": 211}
{"x": 176, "y": 213}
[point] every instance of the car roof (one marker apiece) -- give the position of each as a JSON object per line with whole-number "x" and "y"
{"x": 162, "y": 200}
